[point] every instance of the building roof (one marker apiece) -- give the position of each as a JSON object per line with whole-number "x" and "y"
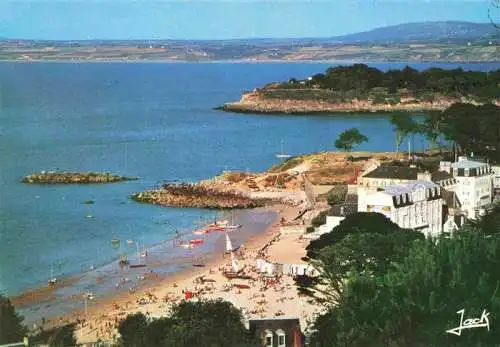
{"x": 394, "y": 172}
{"x": 407, "y": 188}
{"x": 467, "y": 164}
{"x": 437, "y": 176}
{"x": 451, "y": 199}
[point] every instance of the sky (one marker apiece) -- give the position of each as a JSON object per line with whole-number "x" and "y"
{"x": 220, "y": 19}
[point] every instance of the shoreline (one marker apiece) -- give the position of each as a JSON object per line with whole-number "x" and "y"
{"x": 330, "y": 109}
{"x": 106, "y": 305}
{"x": 236, "y": 61}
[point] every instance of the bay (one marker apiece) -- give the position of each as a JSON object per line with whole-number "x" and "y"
{"x": 150, "y": 120}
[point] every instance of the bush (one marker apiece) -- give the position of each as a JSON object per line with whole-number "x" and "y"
{"x": 320, "y": 219}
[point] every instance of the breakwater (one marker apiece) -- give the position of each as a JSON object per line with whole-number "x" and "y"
{"x": 198, "y": 196}
{"x": 74, "y": 178}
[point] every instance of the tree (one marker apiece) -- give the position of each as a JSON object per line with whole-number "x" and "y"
{"x": 404, "y": 125}
{"x": 11, "y": 327}
{"x": 366, "y": 243}
{"x": 63, "y": 336}
{"x": 133, "y": 330}
{"x": 431, "y": 127}
{"x": 213, "y": 323}
{"x": 350, "y": 138}
{"x": 415, "y": 301}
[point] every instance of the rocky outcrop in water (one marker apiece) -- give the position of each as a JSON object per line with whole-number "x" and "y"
{"x": 198, "y": 196}
{"x": 74, "y": 178}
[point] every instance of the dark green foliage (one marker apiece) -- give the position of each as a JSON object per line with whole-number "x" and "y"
{"x": 361, "y": 222}
{"x": 11, "y": 328}
{"x": 473, "y": 128}
{"x": 414, "y": 300}
{"x": 320, "y": 219}
{"x": 63, "y": 336}
{"x": 213, "y": 323}
{"x": 350, "y": 138}
{"x": 404, "y": 125}
{"x": 133, "y": 330}
{"x": 361, "y": 81}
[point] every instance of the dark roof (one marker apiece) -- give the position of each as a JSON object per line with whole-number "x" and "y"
{"x": 274, "y": 323}
{"x": 396, "y": 172}
{"x": 451, "y": 199}
{"x": 437, "y": 176}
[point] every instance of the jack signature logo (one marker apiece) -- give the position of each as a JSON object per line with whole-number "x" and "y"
{"x": 470, "y": 323}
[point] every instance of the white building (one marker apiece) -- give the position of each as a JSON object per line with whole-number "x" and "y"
{"x": 474, "y": 184}
{"x": 416, "y": 205}
{"x": 496, "y": 180}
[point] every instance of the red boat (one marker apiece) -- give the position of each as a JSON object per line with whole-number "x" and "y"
{"x": 195, "y": 241}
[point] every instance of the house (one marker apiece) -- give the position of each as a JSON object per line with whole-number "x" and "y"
{"x": 277, "y": 332}
{"x": 336, "y": 215}
{"x": 387, "y": 175}
{"x": 416, "y": 205}
{"x": 474, "y": 184}
{"x": 496, "y": 181}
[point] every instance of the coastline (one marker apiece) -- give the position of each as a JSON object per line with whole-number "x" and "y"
{"x": 241, "y": 61}
{"x": 175, "y": 282}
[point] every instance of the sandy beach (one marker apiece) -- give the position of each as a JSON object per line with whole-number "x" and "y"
{"x": 257, "y": 297}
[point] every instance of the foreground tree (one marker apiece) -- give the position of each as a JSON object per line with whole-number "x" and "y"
{"x": 416, "y": 301}
{"x": 11, "y": 327}
{"x": 214, "y": 323}
{"x": 365, "y": 243}
{"x": 133, "y": 330}
{"x": 349, "y": 139}
{"x": 63, "y": 336}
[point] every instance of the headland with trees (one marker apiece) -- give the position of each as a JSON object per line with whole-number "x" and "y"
{"x": 360, "y": 88}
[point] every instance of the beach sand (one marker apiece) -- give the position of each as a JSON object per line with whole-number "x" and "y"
{"x": 259, "y": 300}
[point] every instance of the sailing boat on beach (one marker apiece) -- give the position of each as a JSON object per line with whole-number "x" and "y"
{"x": 52, "y": 279}
{"x": 229, "y": 245}
{"x": 282, "y": 155}
{"x": 232, "y": 226}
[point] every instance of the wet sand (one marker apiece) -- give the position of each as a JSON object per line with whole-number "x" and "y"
{"x": 260, "y": 299}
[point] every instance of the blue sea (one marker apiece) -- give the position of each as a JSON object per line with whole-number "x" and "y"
{"x": 151, "y": 120}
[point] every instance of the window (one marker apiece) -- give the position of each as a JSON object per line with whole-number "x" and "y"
{"x": 281, "y": 338}
{"x": 466, "y": 172}
{"x": 269, "y": 338}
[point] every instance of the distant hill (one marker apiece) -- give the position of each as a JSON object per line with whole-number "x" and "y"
{"x": 450, "y": 31}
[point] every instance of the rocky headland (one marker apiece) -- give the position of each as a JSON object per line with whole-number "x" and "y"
{"x": 74, "y": 178}
{"x": 260, "y": 102}
{"x": 198, "y": 196}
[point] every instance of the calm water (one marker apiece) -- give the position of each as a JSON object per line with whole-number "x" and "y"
{"x": 154, "y": 121}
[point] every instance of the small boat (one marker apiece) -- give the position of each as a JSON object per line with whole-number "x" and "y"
{"x": 89, "y": 216}
{"x": 187, "y": 245}
{"x": 201, "y": 231}
{"x": 196, "y": 241}
{"x": 233, "y": 227}
{"x": 130, "y": 242}
{"x": 136, "y": 265}
{"x": 241, "y": 286}
{"x": 218, "y": 224}
{"x": 282, "y": 155}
